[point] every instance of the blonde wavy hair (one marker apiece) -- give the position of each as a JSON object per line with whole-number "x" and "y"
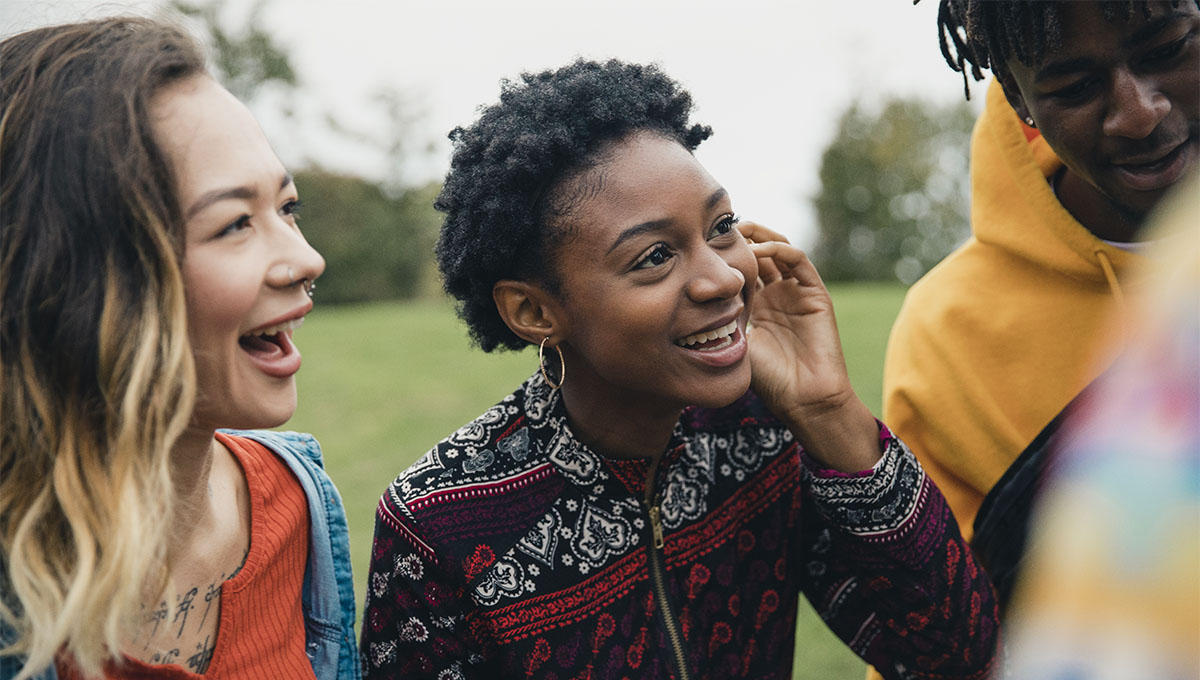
{"x": 98, "y": 376}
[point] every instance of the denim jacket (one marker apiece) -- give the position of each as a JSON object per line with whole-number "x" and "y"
{"x": 328, "y": 593}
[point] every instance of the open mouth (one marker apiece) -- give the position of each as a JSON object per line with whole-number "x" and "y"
{"x": 718, "y": 338}
{"x": 270, "y": 340}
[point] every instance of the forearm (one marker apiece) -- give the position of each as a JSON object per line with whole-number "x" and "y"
{"x": 898, "y": 583}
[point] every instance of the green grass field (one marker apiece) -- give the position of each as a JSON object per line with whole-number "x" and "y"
{"x": 382, "y": 383}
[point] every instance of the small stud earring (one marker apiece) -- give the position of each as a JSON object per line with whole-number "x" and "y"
{"x": 1029, "y": 121}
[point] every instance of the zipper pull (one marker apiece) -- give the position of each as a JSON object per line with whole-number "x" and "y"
{"x": 656, "y": 525}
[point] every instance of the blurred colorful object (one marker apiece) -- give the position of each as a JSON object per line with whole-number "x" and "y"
{"x": 1111, "y": 586}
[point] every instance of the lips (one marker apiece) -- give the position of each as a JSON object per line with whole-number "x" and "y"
{"x": 1160, "y": 169}
{"x": 718, "y": 348}
{"x": 713, "y": 339}
{"x": 270, "y": 348}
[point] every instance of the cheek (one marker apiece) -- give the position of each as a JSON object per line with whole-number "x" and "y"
{"x": 1184, "y": 94}
{"x": 1072, "y": 130}
{"x": 217, "y": 302}
{"x": 609, "y": 327}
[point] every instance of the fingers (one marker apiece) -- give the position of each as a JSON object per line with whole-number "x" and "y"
{"x": 757, "y": 233}
{"x": 788, "y": 260}
{"x": 777, "y": 258}
{"x": 768, "y": 271}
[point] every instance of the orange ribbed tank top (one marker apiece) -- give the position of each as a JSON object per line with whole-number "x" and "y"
{"x": 261, "y": 633}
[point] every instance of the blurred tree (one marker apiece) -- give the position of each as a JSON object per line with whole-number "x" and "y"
{"x": 246, "y": 60}
{"x": 376, "y": 246}
{"x": 894, "y": 191}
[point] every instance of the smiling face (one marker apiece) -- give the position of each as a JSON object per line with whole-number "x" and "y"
{"x": 654, "y": 295}
{"x": 245, "y": 262}
{"x": 1119, "y": 103}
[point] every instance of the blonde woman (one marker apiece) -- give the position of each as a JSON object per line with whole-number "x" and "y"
{"x": 152, "y": 273}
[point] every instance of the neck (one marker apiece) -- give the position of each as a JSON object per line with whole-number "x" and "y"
{"x": 1094, "y": 210}
{"x": 191, "y": 468}
{"x": 618, "y": 428}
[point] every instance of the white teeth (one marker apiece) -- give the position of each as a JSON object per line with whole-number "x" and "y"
{"x": 272, "y": 330}
{"x": 722, "y": 332}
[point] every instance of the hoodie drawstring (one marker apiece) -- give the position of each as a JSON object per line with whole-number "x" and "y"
{"x": 1114, "y": 286}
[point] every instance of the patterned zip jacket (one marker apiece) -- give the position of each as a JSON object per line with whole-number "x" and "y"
{"x": 512, "y": 550}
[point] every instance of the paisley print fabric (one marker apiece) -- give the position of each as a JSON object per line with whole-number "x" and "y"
{"x": 512, "y": 550}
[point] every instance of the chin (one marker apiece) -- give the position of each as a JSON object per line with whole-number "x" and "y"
{"x": 242, "y": 416}
{"x": 274, "y": 415}
{"x": 257, "y": 421}
{"x": 272, "y": 407}
{"x": 719, "y": 394}
{"x": 273, "y": 420}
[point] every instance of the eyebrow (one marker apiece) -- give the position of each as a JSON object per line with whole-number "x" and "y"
{"x": 218, "y": 195}
{"x": 1152, "y": 28}
{"x": 1066, "y": 67}
{"x": 656, "y": 225}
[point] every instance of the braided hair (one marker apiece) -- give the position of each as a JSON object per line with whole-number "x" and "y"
{"x": 505, "y": 196}
{"x": 982, "y": 34}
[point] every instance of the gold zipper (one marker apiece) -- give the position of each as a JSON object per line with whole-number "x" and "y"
{"x": 658, "y": 576}
{"x": 656, "y": 526}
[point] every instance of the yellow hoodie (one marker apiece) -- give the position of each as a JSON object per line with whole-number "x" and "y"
{"x": 997, "y": 338}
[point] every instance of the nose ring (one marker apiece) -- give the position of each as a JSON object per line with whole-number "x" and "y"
{"x": 308, "y": 284}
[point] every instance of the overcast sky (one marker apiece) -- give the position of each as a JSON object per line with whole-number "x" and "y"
{"x": 770, "y": 76}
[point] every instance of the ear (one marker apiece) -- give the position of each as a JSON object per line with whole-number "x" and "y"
{"x": 529, "y": 311}
{"x": 1013, "y": 94}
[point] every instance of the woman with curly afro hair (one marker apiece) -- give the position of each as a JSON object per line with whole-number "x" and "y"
{"x": 688, "y": 458}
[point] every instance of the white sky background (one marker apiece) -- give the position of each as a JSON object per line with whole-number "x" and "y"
{"x": 771, "y": 76}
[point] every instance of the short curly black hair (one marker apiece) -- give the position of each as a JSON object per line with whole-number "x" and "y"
{"x": 502, "y": 197}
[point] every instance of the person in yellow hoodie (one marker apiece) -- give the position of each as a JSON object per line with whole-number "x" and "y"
{"x": 1090, "y": 120}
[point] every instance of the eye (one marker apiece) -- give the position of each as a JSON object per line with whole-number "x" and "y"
{"x": 1076, "y": 91}
{"x": 237, "y": 225}
{"x": 726, "y": 224}
{"x": 292, "y": 208}
{"x": 657, "y": 255}
{"x": 1166, "y": 53}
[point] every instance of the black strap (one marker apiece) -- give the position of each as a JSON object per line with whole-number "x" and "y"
{"x": 1003, "y": 521}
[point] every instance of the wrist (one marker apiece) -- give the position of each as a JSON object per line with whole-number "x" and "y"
{"x": 841, "y": 435}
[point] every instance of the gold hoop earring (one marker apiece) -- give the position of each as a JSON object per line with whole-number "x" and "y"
{"x": 562, "y": 365}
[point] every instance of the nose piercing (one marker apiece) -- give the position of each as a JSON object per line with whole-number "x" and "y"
{"x": 291, "y": 280}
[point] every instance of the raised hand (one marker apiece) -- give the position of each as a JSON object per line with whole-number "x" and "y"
{"x": 796, "y": 356}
